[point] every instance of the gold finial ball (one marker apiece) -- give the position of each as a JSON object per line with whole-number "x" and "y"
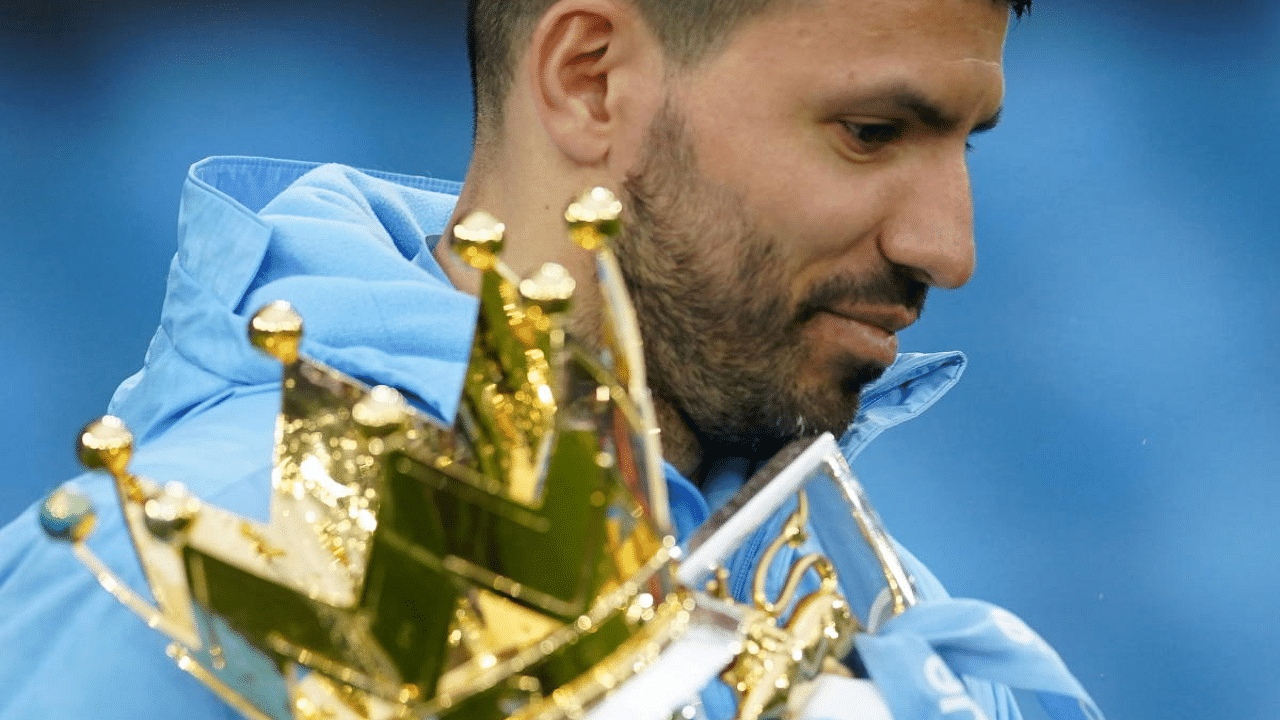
{"x": 105, "y": 444}
{"x": 598, "y": 204}
{"x": 593, "y": 217}
{"x": 67, "y": 515}
{"x": 170, "y": 512}
{"x": 381, "y": 411}
{"x": 276, "y": 329}
{"x": 550, "y": 288}
{"x": 478, "y": 239}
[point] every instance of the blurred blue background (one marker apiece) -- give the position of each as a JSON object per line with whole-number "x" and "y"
{"x": 1108, "y": 469}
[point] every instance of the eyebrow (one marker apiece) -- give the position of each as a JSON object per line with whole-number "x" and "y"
{"x": 932, "y": 116}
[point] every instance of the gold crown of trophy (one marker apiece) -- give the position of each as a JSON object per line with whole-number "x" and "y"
{"x": 518, "y": 565}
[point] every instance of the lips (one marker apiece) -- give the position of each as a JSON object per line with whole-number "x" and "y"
{"x": 890, "y": 319}
{"x": 866, "y": 333}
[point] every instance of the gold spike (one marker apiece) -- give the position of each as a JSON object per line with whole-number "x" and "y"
{"x": 106, "y": 444}
{"x": 171, "y": 511}
{"x": 550, "y": 288}
{"x": 478, "y": 239}
{"x": 276, "y": 329}
{"x": 381, "y": 411}
{"x": 593, "y": 218}
{"x": 67, "y": 515}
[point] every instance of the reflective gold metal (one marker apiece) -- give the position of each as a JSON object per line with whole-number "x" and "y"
{"x": 518, "y": 564}
{"x": 170, "y": 512}
{"x": 276, "y": 329}
{"x": 478, "y": 239}
{"x": 789, "y": 641}
{"x": 382, "y": 411}
{"x": 106, "y": 444}
{"x": 593, "y": 218}
{"x": 67, "y": 516}
{"x": 549, "y": 289}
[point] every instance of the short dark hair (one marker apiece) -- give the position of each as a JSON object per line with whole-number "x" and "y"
{"x": 689, "y": 30}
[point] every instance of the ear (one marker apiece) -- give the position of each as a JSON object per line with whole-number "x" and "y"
{"x": 591, "y": 64}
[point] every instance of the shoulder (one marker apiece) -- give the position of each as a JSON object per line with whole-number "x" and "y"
{"x": 72, "y": 651}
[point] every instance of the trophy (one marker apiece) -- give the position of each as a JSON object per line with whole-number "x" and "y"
{"x": 519, "y": 564}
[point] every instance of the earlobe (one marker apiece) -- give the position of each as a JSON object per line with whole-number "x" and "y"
{"x": 575, "y": 49}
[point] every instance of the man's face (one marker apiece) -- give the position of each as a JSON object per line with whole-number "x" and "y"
{"x": 800, "y": 192}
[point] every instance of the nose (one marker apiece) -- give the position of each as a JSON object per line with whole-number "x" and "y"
{"x": 930, "y": 229}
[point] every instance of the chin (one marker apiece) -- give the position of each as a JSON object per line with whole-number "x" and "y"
{"x": 831, "y": 404}
{"x": 855, "y": 374}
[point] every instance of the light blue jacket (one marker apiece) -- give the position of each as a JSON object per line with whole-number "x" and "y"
{"x": 352, "y": 251}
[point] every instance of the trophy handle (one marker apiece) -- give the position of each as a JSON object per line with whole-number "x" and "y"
{"x": 771, "y": 486}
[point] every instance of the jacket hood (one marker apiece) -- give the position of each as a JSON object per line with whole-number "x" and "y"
{"x": 351, "y": 250}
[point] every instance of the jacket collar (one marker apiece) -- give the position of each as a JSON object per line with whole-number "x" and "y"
{"x": 380, "y": 308}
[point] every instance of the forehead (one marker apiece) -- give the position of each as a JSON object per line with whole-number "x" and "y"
{"x": 941, "y": 47}
{"x": 971, "y": 27}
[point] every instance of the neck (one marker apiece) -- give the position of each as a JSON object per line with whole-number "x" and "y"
{"x": 680, "y": 445}
{"x": 536, "y": 234}
{"x": 524, "y": 192}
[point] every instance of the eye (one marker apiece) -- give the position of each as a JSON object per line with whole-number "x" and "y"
{"x": 867, "y": 138}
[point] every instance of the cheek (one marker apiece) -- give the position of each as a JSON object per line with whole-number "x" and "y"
{"x": 824, "y": 228}
{"x": 743, "y": 142}
{"x": 794, "y": 186}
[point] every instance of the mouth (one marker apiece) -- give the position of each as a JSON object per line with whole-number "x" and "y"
{"x": 890, "y": 319}
{"x": 867, "y": 333}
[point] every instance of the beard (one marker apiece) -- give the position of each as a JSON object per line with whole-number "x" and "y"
{"x": 723, "y": 340}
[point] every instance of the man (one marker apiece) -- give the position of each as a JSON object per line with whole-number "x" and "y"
{"x": 794, "y": 179}
{"x": 793, "y": 186}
